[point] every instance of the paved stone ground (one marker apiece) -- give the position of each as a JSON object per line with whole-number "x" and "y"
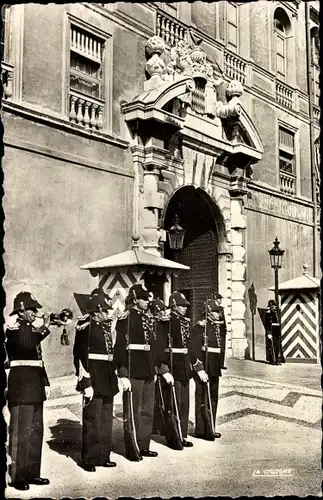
{"x": 270, "y": 420}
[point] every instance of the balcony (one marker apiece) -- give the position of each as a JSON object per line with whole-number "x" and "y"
{"x": 170, "y": 29}
{"x": 6, "y": 77}
{"x": 284, "y": 95}
{"x": 86, "y": 111}
{"x": 235, "y": 67}
{"x": 287, "y": 183}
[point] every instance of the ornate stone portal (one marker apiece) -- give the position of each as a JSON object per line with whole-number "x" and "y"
{"x": 183, "y": 134}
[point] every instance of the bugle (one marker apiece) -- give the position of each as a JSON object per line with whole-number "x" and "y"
{"x": 58, "y": 319}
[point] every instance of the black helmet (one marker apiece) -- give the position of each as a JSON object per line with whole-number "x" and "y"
{"x": 23, "y": 301}
{"x": 98, "y": 300}
{"x": 157, "y": 305}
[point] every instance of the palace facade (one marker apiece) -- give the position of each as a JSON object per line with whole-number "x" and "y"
{"x": 120, "y": 116}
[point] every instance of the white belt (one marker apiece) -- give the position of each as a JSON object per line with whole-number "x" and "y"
{"x": 212, "y": 349}
{"x": 102, "y": 357}
{"x": 26, "y": 362}
{"x": 178, "y": 350}
{"x": 138, "y": 347}
{"x": 218, "y": 322}
{"x": 275, "y": 324}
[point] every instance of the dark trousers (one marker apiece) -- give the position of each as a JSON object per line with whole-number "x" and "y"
{"x": 274, "y": 352}
{"x": 214, "y": 392}
{"x": 26, "y": 430}
{"x": 97, "y": 430}
{"x": 143, "y": 398}
{"x": 222, "y": 353}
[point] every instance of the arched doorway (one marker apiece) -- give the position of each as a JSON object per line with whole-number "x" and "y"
{"x": 197, "y": 214}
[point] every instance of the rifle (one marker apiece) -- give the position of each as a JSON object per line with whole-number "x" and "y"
{"x": 129, "y": 428}
{"x": 173, "y": 431}
{"x": 206, "y": 406}
{"x": 161, "y": 404}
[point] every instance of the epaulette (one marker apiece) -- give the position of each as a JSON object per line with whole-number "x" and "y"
{"x": 84, "y": 317}
{"x": 164, "y": 318}
{"x": 15, "y": 326}
{"x": 202, "y": 322}
{"x": 124, "y": 315}
{"x": 82, "y": 323}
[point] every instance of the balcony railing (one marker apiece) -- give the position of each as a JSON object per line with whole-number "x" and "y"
{"x": 169, "y": 29}
{"x": 284, "y": 95}
{"x": 6, "y": 77}
{"x": 287, "y": 183}
{"x": 235, "y": 67}
{"x": 86, "y": 111}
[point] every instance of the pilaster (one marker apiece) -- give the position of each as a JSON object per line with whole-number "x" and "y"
{"x": 238, "y": 225}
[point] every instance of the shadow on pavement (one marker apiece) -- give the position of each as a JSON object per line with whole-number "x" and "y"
{"x": 66, "y": 438}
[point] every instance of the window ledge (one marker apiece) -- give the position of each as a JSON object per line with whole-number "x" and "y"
{"x": 62, "y": 123}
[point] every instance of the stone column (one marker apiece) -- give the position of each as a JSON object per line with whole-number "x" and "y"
{"x": 238, "y": 225}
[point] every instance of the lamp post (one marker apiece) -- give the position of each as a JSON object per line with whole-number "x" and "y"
{"x": 176, "y": 236}
{"x": 276, "y": 257}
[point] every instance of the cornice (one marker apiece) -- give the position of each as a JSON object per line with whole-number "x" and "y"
{"x": 17, "y": 143}
{"x": 59, "y": 123}
{"x": 254, "y": 186}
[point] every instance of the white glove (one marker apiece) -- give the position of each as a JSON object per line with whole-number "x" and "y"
{"x": 47, "y": 391}
{"x": 203, "y": 376}
{"x": 270, "y": 336}
{"x": 125, "y": 382}
{"x": 169, "y": 378}
{"x": 89, "y": 393}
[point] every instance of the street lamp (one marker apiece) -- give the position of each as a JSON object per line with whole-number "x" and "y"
{"x": 176, "y": 236}
{"x": 276, "y": 257}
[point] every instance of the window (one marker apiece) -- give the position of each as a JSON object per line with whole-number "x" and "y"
{"x": 281, "y": 30}
{"x": 86, "y": 78}
{"x": 232, "y": 26}
{"x": 286, "y": 151}
{"x": 4, "y": 19}
{"x": 287, "y": 161}
{"x": 315, "y": 53}
{"x": 86, "y": 63}
{"x": 170, "y": 8}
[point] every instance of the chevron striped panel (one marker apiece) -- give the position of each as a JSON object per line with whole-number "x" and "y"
{"x": 299, "y": 327}
{"x": 116, "y": 284}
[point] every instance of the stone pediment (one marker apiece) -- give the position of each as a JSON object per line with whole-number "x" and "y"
{"x": 182, "y": 94}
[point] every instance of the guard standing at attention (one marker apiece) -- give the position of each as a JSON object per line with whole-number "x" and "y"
{"x": 26, "y": 392}
{"x": 135, "y": 338}
{"x": 162, "y": 317}
{"x": 223, "y": 327}
{"x": 179, "y": 338}
{"x": 95, "y": 369}
{"x": 209, "y": 326}
{"x": 274, "y": 352}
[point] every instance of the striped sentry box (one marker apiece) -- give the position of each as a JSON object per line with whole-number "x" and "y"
{"x": 116, "y": 284}
{"x": 299, "y": 321}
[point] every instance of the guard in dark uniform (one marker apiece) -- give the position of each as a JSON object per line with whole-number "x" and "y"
{"x": 211, "y": 326}
{"x": 95, "y": 369}
{"x": 223, "y": 327}
{"x": 274, "y": 354}
{"x": 26, "y": 392}
{"x": 162, "y": 317}
{"x": 135, "y": 337}
{"x": 179, "y": 332}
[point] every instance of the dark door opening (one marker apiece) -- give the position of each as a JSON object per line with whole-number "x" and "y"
{"x": 200, "y": 247}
